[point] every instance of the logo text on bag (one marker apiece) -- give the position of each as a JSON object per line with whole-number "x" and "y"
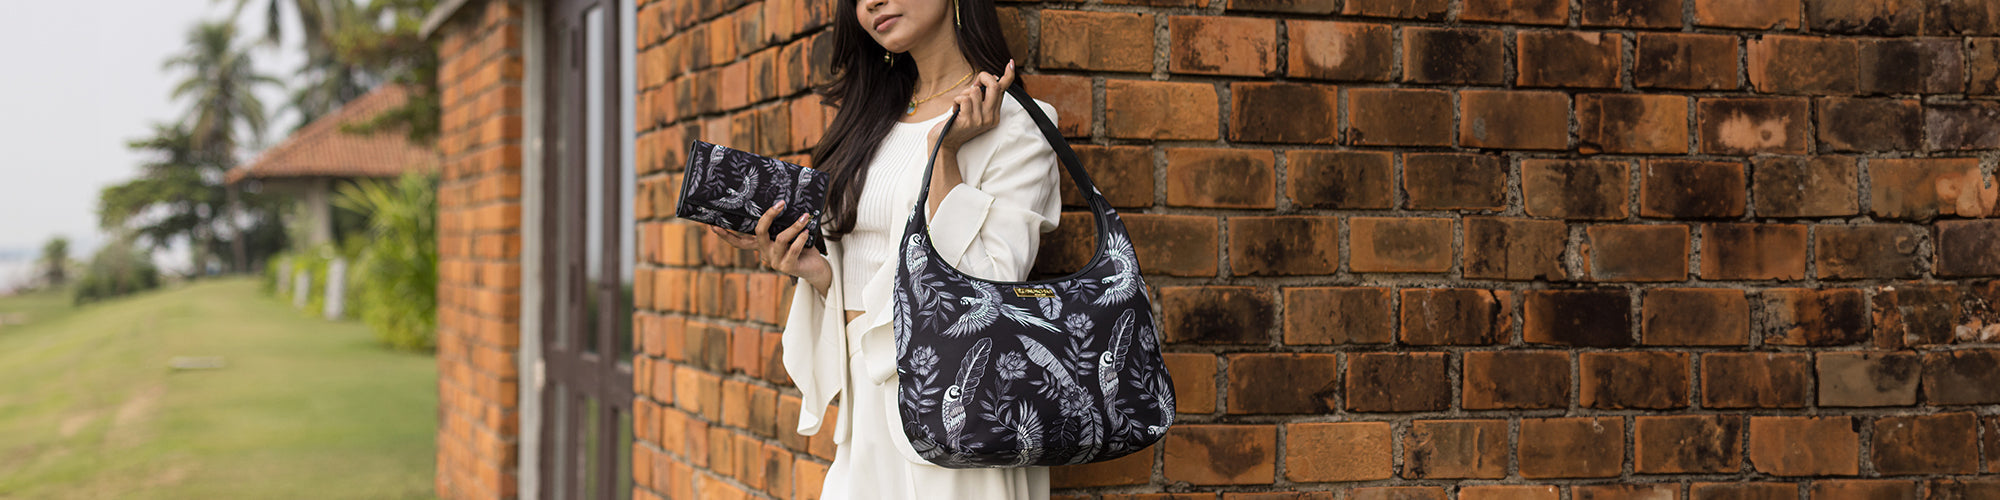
{"x": 1041, "y": 293}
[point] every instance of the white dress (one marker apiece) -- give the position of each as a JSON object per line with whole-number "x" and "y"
{"x": 990, "y": 227}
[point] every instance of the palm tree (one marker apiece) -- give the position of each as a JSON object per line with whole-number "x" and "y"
{"x": 221, "y": 84}
{"x": 328, "y": 80}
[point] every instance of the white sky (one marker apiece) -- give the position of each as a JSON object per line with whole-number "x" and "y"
{"x": 82, "y": 81}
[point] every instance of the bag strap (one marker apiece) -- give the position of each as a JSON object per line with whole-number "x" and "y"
{"x": 1063, "y": 152}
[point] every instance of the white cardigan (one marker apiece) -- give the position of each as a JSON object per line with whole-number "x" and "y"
{"x": 989, "y": 226}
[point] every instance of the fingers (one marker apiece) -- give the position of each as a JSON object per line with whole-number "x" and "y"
{"x": 732, "y": 238}
{"x": 993, "y": 89}
{"x": 792, "y": 255}
{"x": 1007, "y": 78}
{"x": 764, "y": 222}
{"x": 798, "y": 226}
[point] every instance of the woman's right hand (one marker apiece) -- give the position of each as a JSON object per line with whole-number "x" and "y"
{"x": 786, "y": 253}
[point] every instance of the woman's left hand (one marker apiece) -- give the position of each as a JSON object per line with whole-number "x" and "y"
{"x": 978, "y": 108}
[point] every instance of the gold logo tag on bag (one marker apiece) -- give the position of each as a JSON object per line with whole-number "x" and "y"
{"x": 1040, "y": 293}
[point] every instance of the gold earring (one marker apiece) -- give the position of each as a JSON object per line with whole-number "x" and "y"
{"x": 954, "y": 15}
{"x": 889, "y": 58}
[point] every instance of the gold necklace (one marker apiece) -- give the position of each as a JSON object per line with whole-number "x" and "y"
{"x": 914, "y": 104}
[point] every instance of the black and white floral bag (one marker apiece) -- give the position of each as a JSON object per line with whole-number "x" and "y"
{"x": 1034, "y": 373}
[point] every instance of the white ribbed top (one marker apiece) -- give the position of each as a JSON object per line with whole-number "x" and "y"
{"x": 895, "y": 178}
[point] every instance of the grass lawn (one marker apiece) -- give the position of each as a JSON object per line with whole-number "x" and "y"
{"x": 304, "y": 408}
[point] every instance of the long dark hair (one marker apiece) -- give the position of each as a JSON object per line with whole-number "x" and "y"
{"x": 870, "y": 94}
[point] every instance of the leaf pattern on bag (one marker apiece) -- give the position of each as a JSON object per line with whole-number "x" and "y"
{"x": 1075, "y": 378}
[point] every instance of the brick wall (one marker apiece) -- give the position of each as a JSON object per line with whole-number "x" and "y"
{"x": 479, "y": 236}
{"x": 1433, "y": 249}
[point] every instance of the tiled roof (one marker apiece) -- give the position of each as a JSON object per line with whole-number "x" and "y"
{"x": 321, "y": 149}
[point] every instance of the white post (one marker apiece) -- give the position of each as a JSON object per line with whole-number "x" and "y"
{"x": 336, "y": 288}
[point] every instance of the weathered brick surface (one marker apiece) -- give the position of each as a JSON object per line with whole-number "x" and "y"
{"x": 1805, "y": 446}
{"x": 1400, "y": 249}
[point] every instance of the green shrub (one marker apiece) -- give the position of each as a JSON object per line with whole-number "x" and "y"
{"x": 118, "y": 269}
{"x": 394, "y": 280}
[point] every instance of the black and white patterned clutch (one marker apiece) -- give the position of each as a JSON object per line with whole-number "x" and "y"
{"x": 731, "y": 189}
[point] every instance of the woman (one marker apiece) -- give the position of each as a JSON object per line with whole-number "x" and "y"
{"x": 993, "y": 192}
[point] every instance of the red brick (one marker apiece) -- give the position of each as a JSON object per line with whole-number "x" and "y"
{"x": 1750, "y": 125}
{"x": 1869, "y": 17}
{"x": 1399, "y": 244}
{"x": 1340, "y": 451}
{"x": 1965, "y": 248}
{"x": 1291, "y": 6}
{"x": 1911, "y": 66}
{"x": 1922, "y": 188}
{"x": 1567, "y": 59}
{"x": 1580, "y": 317}
{"x": 1284, "y": 245}
{"x": 1687, "y": 444}
{"x": 1868, "y": 124}
{"x": 1221, "y": 454}
{"x": 1685, "y": 61}
{"x": 1755, "y": 380}
{"x": 808, "y": 477}
{"x": 1513, "y": 119}
{"x": 1100, "y": 41}
{"x": 1456, "y": 316}
{"x": 1982, "y": 66}
{"x": 1429, "y": 10}
{"x": 1215, "y": 314}
{"x": 1438, "y": 181}
{"x": 1221, "y": 45}
{"x": 1785, "y": 64}
{"x": 1954, "y": 489}
{"x": 1814, "y": 186}
{"x": 1175, "y": 245}
{"x": 1515, "y": 11}
{"x": 1441, "y": 449}
{"x": 1338, "y": 179}
{"x": 1070, "y": 95}
{"x": 1744, "y": 491}
{"x": 1990, "y": 446}
{"x": 1845, "y": 251}
{"x": 1454, "y": 55}
{"x": 1808, "y": 317}
{"x": 1631, "y": 123}
{"x": 1732, "y": 251}
{"x": 1621, "y": 380}
{"x": 1398, "y": 382}
{"x": 1135, "y": 109}
{"x": 1653, "y": 491}
{"x": 1221, "y": 178}
{"x": 1572, "y": 447}
{"x": 1805, "y": 446}
{"x": 1575, "y": 189}
{"x": 1965, "y": 377}
{"x": 1510, "y": 492}
{"x": 1633, "y": 13}
{"x": 1867, "y": 378}
{"x": 1284, "y": 112}
{"x": 1747, "y": 14}
{"x": 1944, "y": 443}
{"x": 1695, "y": 316}
{"x": 1194, "y": 381}
{"x": 1123, "y": 174}
{"x": 1692, "y": 189}
{"x": 1916, "y": 315}
{"x": 1326, "y": 50}
{"x": 1133, "y": 469}
{"x": 1515, "y": 249}
{"x": 1397, "y": 493}
{"x": 1863, "y": 489}
{"x": 1315, "y": 316}
{"x": 1497, "y": 380}
{"x": 1283, "y": 383}
{"x": 1398, "y": 117}
{"x": 1962, "y": 126}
